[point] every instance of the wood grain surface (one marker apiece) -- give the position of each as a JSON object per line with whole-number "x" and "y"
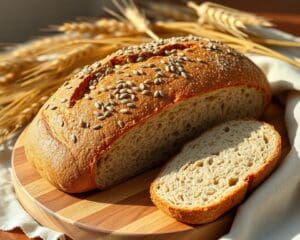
{"x": 285, "y": 14}
{"x": 122, "y": 212}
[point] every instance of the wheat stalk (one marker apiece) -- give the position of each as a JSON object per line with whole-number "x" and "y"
{"x": 102, "y": 26}
{"x": 227, "y": 19}
{"x": 34, "y": 48}
{"x": 133, "y": 16}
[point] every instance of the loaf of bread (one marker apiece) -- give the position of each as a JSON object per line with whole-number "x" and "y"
{"x": 213, "y": 173}
{"x": 130, "y": 111}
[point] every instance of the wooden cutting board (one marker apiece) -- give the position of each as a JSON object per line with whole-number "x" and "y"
{"x": 123, "y": 212}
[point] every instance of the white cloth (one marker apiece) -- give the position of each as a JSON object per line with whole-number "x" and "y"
{"x": 272, "y": 212}
{"x": 12, "y": 215}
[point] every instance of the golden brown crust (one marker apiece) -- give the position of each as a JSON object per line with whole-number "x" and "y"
{"x": 201, "y": 215}
{"x": 65, "y": 150}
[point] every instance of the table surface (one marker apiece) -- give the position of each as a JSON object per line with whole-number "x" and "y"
{"x": 282, "y": 13}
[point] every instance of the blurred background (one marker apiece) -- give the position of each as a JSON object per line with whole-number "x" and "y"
{"x": 21, "y": 20}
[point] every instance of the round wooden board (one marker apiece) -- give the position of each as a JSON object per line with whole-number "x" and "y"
{"x": 123, "y": 212}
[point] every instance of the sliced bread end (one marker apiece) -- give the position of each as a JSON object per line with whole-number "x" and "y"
{"x": 213, "y": 173}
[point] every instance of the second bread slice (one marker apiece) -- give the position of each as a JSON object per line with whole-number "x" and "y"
{"x": 214, "y": 172}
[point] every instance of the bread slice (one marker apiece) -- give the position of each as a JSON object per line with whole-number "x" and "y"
{"x": 213, "y": 173}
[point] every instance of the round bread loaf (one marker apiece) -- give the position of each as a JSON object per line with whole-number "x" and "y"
{"x": 132, "y": 110}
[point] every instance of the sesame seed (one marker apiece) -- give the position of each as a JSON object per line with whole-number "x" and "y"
{"x": 124, "y": 110}
{"x": 120, "y": 86}
{"x": 133, "y": 97}
{"x": 98, "y": 105}
{"x": 92, "y": 87}
{"x": 107, "y": 114}
{"x": 140, "y": 72}
{"x": 121, "y": 124}
{"x": 148, "y": 81}
{"x": 161, "y": 93}
{"x": 158, "y": 81}
{"x": 116, "y": 91}
{"x": 101, "y": 117}
{"x": 123, "y": 95}
{"x": 125, "y": 101}
{"x": 183, "y": 74}
{"x": 63, "y": 100}
{"x": 112, "y": 102}
{"x": 136, "y": 89}
{"x": 130, "y": 83}
{"x": 139, "y": 59}
{"x": 159, "y": 74}
{"x": 69, "y": 87}
{"x": 130, "y": 105}
{"x": 152, "y": 65}
{"x": 96, "y": 127}
{"x": 120, "y": 81}
{"x": 73, "y": 138}
{"x": 167, "y": 68}
{"x": 142, "y": 86}
{"x": 124, "y": 90}
{"x": 62, "y": 123}
{"x": 53, "y": 107}
{"x": 158, "y": 94}
{"x": 146, "y": 92}
{"x": 110, "y": 108}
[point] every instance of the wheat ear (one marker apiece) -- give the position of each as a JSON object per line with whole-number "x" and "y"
{"x": 102, "y": 26}
{"x": 132, "y": 15}
{"x": 227, "y": 19}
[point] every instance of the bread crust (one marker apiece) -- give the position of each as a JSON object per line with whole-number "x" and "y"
{"x": 71, "y": 166}
{"x": 201, "y": 215}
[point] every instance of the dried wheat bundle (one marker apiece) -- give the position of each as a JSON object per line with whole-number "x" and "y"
{"x": 227, "y": 19}
{"x": 31, "y": 72}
